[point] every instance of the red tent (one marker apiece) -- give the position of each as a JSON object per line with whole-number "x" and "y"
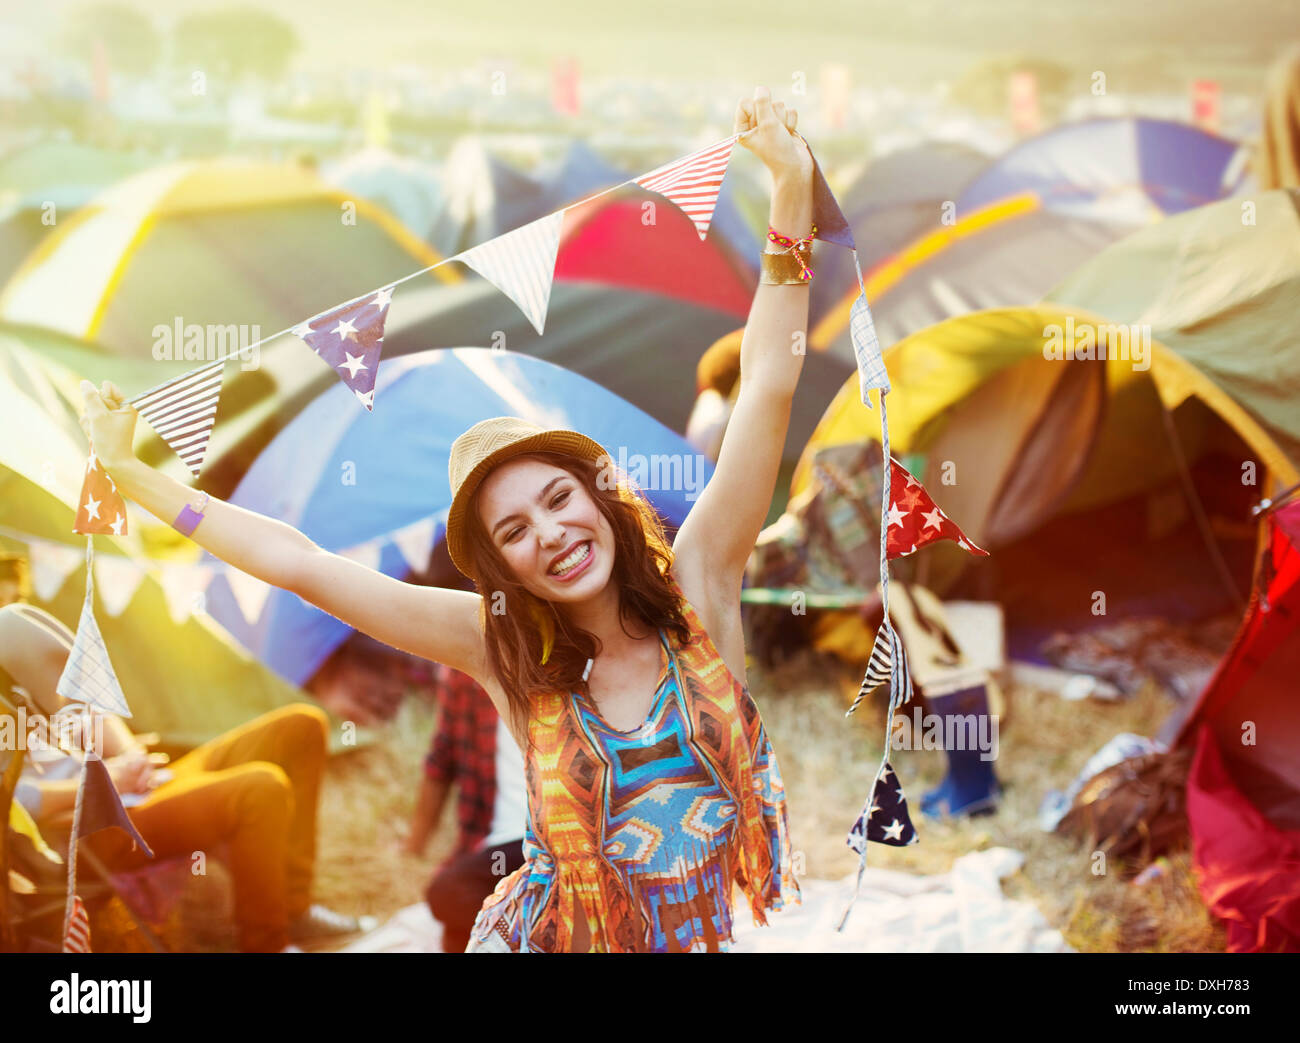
{"x": 607, "y": 241}
{"x": 1243, "y": 790}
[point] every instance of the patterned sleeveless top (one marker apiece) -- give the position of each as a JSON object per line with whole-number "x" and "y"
{"x": 649, "y": 830}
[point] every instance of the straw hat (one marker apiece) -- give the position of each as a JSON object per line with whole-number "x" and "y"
{"x": 487, "y": 444}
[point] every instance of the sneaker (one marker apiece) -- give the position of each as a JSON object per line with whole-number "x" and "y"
{"x": 320, "y": 921}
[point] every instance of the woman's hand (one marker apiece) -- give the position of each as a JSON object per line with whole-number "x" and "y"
{"x": 109, "y": 423}
{"x": 768, "y": 131}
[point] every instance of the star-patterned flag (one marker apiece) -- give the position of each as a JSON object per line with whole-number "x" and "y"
{"x": 521, "y": 264}
{"x": 88, "y": 676}
{"x": 100, "y": 509}
{"x": 914, "y": 520}
{"x": 77, "y": 936}
{"x": 693, "y": 182}
{"x": 182, "y": 411}
{"x": 866, "y": 348}
{"x": 884, "y": 819}
{"x": 351, "y": 339}
{"x": 101, "y": 806}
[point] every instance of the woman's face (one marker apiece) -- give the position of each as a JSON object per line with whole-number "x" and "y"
{"x": 547, "y": 529}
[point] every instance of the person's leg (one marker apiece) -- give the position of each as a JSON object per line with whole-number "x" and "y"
{"x": 250, "y": 806}
{"x": 456, "y": 892}
{"x": 296, "y": 739}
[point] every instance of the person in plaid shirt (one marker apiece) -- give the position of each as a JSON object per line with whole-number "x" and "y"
{"x": 473, "y": 751}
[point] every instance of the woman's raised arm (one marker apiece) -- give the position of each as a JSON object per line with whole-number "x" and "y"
{"x": 431, "y": 622}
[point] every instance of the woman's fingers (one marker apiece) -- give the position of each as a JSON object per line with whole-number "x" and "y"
{"x": 744, "y": 117}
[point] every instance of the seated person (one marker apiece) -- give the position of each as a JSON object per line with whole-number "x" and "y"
{"x": 254, "y": 788}
{"x": 473, "y": 750}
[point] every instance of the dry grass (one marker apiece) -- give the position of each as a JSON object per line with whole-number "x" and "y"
{"x": 827, "y": 761}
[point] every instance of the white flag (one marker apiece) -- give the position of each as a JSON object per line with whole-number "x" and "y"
{"x": 521, "y": 264}
{"x": 88, "y": 676}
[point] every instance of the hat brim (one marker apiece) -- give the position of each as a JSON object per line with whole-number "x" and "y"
{"x": 557, "y": 441}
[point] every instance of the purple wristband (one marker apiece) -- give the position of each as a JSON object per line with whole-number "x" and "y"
{"x": 188, "y": 520}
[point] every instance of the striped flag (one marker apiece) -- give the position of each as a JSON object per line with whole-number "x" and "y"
{"x": 100, "y": 508}
{"x": 77, "y": 936}
{"x": 88, "y": 676}
{"x": 885, "y": 652}
{"x": 351, "y": 339}
{"x": 693, "y": 182}
{"x": 521, "y": 264}
{"x": 183, "y": 411}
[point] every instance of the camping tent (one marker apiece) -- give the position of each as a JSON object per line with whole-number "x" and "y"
{"x": 188, "y": 681}
{"x": 409, "y": 189}
{"x": 898, "y": 197}
{"x": 1221, "y": 287}
{"x": 482, "y": 198}
{"x": 225, "y": 245}
{"x": 394, "y": 510}
{"x": 44, "y": 183}
{"x": 1034, "y": 216}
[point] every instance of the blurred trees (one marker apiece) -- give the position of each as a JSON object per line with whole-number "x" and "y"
{"x": 234, "y": 42}
{"x": 131, "y": 44}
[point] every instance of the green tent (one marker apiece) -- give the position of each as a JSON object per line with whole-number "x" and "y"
{"x": 188, "y": 681}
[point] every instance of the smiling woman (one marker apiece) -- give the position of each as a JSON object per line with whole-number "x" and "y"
{"x": 618, "y": 660}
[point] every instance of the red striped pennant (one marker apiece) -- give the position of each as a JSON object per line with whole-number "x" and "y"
{"x": 77, "y": 936}
{"x": 693, "y": 182}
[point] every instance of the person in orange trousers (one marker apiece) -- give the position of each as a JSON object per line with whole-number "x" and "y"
{"x": 252, "y": 791}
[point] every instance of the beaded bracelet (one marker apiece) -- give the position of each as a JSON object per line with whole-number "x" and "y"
{"x": 781, "y": 268}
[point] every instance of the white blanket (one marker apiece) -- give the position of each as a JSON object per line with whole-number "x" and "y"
{"x": 963, "y": 910}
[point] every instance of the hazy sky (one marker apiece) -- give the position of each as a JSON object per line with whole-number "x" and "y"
{"x": 759, "y": 40}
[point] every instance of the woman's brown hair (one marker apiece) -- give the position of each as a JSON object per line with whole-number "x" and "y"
{"x": 515, "y": 622}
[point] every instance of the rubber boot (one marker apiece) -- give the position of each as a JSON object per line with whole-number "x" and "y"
{"x": 970, "y": 787}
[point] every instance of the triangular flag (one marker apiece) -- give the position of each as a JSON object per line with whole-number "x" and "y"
{"x": 88, "y": 676}
{"x": 521, "y": 264}
{"x": 77, "y": 936}
{"x": 693, "y": 182}
{"x": 182, "y": 411}
{"x": 250, "y": 593}
{"x": 180, "y": 582}
{"x": 415, "y": 541}
{"x": 914, "y": 520}
{"x": 52, "y": 564}
{"x": 351, "y": 339}
{"x": 866, "y": 348}
{"x": 100, "y": 507}
{"x": 884, "y": 819}
{"x": 832, "y": 226}
{"x": 878, "y": 666}
{"x": 101, "y": 806}
{"x": 118, "y": 579}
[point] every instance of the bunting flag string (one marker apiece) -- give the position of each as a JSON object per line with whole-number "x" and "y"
{"x": 351, "y": 339}
{"x": 521, "y": 264}
{"x": 100, "y": 507}
{"x": 693, "y": 182}
{"x": 88, "y": 676}
{"x": 183, "y": 410}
